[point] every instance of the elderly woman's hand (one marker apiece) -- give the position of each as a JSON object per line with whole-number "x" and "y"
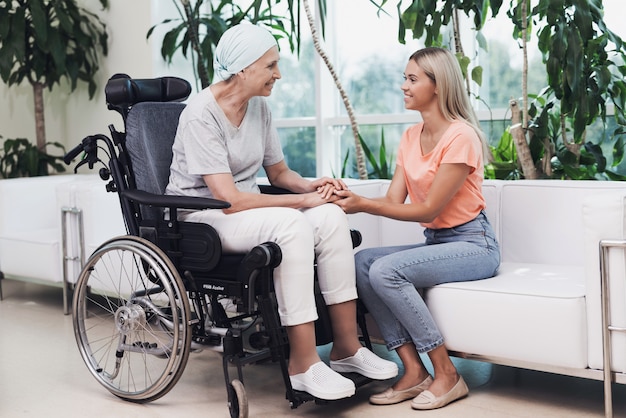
{"x": 327, "y": 186}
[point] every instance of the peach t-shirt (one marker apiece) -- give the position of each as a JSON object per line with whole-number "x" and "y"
{"x": 459, "y": 144}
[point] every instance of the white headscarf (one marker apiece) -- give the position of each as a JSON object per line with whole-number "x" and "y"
{"x": 240, "y": 46}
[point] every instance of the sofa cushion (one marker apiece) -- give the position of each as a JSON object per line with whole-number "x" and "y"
{"x": 605, "y": 219}
{"x": 529, "y": 312}
{"x": 32, "y": 255}
{"x": 28, "y": 204}
{"x": 30, "y": 224}
{"x": 366, "y": 224}
{"x": 541, "y": 221}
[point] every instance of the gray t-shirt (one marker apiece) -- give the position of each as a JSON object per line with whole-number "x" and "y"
{"x": 208, "y": 143}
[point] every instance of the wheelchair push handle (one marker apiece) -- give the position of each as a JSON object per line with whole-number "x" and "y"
{"x": 90, "y": 147}
{"x": 73, "y": 153}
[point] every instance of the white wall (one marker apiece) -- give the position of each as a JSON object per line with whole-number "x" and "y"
{"x": 72, "y": 116}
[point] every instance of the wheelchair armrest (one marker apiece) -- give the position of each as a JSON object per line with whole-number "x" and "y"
{"x": 267, "y": 189}
{"x": 356, "y": 236}
{"x": 169, "y": 201}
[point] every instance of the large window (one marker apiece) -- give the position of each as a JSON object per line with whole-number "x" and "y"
{"x": 369, "y": 61}
{"x": 362, "y": 45}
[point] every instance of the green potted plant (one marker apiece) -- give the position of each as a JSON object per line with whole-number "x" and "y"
{"x": 584, "y": 63}
{"x": 428, "y": 19}
{"x": 42, "y": 42}
{"x": 21, "y": 158}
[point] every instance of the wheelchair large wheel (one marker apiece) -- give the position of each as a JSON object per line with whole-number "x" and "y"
{"x": 132, "y": 319}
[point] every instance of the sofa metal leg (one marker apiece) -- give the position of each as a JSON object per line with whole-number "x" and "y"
{"x": 607, "y": 328}
{"x": 67, "y": 212}
{"x": 1, "y": 277}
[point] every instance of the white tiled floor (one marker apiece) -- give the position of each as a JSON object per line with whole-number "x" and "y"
{"x": 42, "y": 375}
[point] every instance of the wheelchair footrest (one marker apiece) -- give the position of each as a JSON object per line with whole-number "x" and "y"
{"x": 298, "y": 397}
{"x": 358, "y": 379}
{"x": 212, "y": 340}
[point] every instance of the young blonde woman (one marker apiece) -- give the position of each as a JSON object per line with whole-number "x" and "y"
{"x": 440, "y": 168}
{"x": 225, "y": 136}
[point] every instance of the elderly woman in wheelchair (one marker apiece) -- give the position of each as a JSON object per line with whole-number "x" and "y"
{"x": 209, "y": 262}
{"x": 225, "y": 135}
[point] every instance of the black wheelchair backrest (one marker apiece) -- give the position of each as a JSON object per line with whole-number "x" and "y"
{"x": 150, "y": 109}
{"x": 150, "y": 132}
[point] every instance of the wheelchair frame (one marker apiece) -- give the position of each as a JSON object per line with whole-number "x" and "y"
{"x": 142, "y": 303}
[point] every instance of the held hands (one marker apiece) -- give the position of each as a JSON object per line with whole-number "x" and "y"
{"x": 336, "y": 191}
{"x": 327, "y": 186}
{"x": 348, "y": 201}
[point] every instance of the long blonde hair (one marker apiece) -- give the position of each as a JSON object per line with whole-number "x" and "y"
{"x": 443, "y": 68}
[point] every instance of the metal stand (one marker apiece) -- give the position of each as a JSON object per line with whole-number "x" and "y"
{"x": 77, "y": 214}
{"x": 607, "y": 328}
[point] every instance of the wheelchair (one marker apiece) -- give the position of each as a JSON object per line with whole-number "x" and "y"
{"x": 144, "y": 301}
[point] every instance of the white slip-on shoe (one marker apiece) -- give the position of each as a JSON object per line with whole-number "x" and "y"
{"x": 366, "y": 363}
{"x": 323, "y": 383}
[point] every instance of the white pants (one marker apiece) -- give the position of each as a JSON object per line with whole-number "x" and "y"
{"x": 320, "y": 233}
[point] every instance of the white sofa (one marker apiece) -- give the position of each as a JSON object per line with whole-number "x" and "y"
{"x": 49, "y": 225}
{"x": 30, "y": 229}
{"x": 543, "y": 311}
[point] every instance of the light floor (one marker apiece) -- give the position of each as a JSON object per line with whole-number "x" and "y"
{"x": 42, "y": 375}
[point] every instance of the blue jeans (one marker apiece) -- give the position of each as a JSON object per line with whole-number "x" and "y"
{"x": 389, "y": 278}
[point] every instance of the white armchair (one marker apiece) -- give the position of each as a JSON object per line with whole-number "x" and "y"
{"x": 49, "y": 225}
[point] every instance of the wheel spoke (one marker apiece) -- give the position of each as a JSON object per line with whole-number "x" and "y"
{"x": 131, "y": 319}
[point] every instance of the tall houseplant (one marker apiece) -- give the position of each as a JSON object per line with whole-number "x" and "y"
{"x": 43, "y": 42}
{"x": 584, "y": 62}
{"x": 428, "y": 18}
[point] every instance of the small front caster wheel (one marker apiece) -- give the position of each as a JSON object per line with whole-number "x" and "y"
{"x": 237, "y": 400}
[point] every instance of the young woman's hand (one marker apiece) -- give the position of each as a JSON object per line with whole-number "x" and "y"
{"x": 348, "y": 201}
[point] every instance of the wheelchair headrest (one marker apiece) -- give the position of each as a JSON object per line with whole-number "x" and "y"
{"x": 122, "y": 92}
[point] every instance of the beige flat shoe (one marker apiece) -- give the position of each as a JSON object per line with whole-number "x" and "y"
{"x": 390, "y": 396}
{"x": 426, "y": 399}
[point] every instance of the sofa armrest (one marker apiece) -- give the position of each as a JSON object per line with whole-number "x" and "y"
{"x": 604, "y": 218}
{"x": 29, "y": 204}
